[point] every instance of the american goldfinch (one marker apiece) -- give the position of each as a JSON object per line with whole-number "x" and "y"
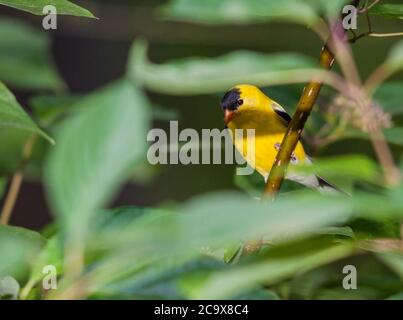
{"x": 247, "y": 107}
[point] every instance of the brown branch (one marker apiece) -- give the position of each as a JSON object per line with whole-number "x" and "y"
{"x": 304, "y": 108}
{"x": 294, "y": 131}
{"x": 16, "y": 182}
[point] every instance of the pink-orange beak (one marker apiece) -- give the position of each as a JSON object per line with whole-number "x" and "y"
{"x": 228, "y": 116}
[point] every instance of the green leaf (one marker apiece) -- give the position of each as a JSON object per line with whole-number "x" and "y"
{"x": 25, "y": 57}
{"x": 63, "y": 7}
{"x": 260, "y": 294}
{"x": 337, "y": 231}
{"x": 223, "y": 219}
{"x": 49, "y": 108}
{"x": 12, "y": 115}
{"x": 201, "y": 75}
{"x": 9, "y": 288}
{"x": 375, "y": 281}
{"x": 397, "y": 296}
{"x": 390, "y": 96}
{"x": 278, "y": 264}
{"x": 97, "y": 148}
{"x": 388, "y": 10}
{"x": 18, "y": 247}
{"x": 214, "y": 222}
{"x": 12, "y": 142}
{"x": 51, "y": 254}
{"x": 164, "y": 278}
{"x": 251, "y": 11}
{"x": 392, "y": 135}
{"x": 372, "y": 229}
{"x": 394, "y": 60}
{"x": 232, "y": 252}
{"x": 394, "y": 260}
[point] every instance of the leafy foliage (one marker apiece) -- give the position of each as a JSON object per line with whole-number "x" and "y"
{"x": 394, "y": 11}
{"x": 12, "y": 115}
{"x": 17, "y": 247}
{"x": 194, "y": 249}
{"x": 197, "y": 76}
{"x": 253, "y": 11}
{"x": 114, "y": 123}
{"x": 37, "y": 6}
{"x": 25, "y": 61}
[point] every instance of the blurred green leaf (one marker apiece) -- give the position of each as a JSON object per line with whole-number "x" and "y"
{"x": 165, "y": 278}
{"x": 394, "y": 61}
{"x": 397, "y": 296}
{"x": 219, "y": 220}
{"x": 97, "y": 148}
{"x": 25, "y": 59}
{"x": 37, "y": 6}
{"x": 251, "y": 11}
{"x": 392, "y": 135}
{"x": 51, "y": 254}
{"x": 388, "y": 10}
{"x": 372, "y": 229}
{"x": 337, "y": 231}
{"x": 9, "y": 288}
{"x": 117, "y": 218}
{"x": 214, "y": 222}
{"x": 375, "y": 281}
{"x": 390, "y": 96}
{"x": 18, "y": 247}
{"x": 12, "y": 115}
{"x": 11, "y": 144}
{"x": 260, "y": 294}
{"x": 277, "y": 264}
{"x": 49, "y": 108}
{"x": 232, "y": 252}
{"x": 393, "y": 260}
{"x": 209, "y": 75}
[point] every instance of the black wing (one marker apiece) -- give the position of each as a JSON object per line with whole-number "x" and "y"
{"x": 282, "y": 113}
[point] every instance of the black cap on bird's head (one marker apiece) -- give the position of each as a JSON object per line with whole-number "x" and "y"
{"x": 231, "y": 100}
{"x": 230, "y": 103}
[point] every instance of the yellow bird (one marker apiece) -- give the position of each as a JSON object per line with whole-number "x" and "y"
{"x": 247, "y": 107}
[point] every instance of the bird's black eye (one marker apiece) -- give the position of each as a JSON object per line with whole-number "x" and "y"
{"x": 240, "y": 102}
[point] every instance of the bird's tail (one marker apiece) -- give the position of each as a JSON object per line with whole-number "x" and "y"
{"x": 327, "y": 186}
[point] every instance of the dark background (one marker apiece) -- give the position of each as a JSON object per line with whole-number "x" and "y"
{"x": 91, "y": 53}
